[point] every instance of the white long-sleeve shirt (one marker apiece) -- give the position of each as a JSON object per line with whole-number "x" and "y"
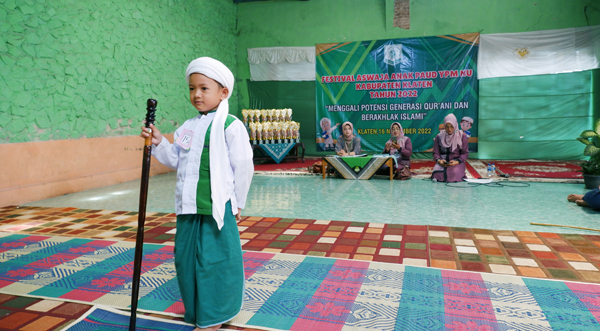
{"x": 187, "y": 163}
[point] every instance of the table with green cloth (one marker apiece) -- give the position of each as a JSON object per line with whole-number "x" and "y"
{"x": 355, "y": 167}
{"x": 279, "y": 151}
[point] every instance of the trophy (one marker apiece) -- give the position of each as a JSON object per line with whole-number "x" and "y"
{"x": 277, "y": 115}
{"x": 245, "y": 114}
{"x": 266, "y": 131}
{"x": 256, "y": 115}
{"x": 285, "y": 130}
{"x": 286, "y": 116}
{"x": 270, "y": 132}
{"x": 276, "y": 130}
{"x": 288, "y": 131}
{"x": 259, "y": 132}
{"x": 281, "y": 131}
{"x": 294, "y": 130}
{"x": 253, "y": 132}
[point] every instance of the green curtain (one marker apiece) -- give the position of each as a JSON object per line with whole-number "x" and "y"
{"x": 529, "y": 117}
{"x": 537, "y": 117}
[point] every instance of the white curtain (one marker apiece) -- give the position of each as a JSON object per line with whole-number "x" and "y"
{"x": 539, "y": 52}
{"x": 282, "y": 63}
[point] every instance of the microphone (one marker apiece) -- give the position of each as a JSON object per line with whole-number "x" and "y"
{"x": 502, "y": 174}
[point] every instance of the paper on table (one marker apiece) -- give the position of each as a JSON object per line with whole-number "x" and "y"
{"x": 479, "y": 180}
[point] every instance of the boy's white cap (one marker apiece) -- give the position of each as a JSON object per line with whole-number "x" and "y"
{"x": 211, "y": 68}
{"x": 467, "y": 119}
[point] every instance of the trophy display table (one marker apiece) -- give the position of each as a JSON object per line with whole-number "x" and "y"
{"x": 358, "y": 167}
{"x": 279, "y": 151}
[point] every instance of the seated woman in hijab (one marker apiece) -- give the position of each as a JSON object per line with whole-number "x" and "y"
{"x": 590, "y": 199}
{"x": 348, "y": 144}
{"x": 450, "y": 151}
{"x": 399, "y": 146}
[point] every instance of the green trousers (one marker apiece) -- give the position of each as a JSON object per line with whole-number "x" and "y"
{"x": 209, "y": 266}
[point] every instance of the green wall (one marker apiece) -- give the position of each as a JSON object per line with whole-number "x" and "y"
{"x": 72, "y": 69}
{"x": 306, "y": 23}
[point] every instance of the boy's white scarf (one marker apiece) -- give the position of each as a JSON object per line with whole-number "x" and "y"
{"x": 216, "y": 70}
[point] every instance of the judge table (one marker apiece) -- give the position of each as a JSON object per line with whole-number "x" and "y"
{"x": 355, "y": 167}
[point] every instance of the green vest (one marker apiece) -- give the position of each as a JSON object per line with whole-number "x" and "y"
{"x": 203, "y": 197}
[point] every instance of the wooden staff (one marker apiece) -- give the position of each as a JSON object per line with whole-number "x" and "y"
{"x": 139, "y": 240}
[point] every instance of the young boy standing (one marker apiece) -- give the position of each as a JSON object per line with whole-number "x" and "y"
{"x": 213, "y": 159}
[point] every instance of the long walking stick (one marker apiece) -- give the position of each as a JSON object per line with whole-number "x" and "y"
{"x": 139, "y": 240}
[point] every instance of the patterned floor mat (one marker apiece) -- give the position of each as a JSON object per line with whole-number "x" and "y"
{"x": 299, "y": 292}
{"x": 554, "y": 171}
{"x": 103, "y": 318}
{"x": 534, "y": 254}
{"x": 26, "y": 313}
{"x": 522, "y": 253}
{"x": 292, "y": 292}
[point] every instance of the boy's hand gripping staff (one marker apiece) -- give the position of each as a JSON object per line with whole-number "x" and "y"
{"x": 139, "y": 240}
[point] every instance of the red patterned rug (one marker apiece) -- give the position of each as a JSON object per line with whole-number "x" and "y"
{"x": 539, "y": 169}
{"x": 418, "y": 166}
{"x": 421, "y": 167}
{"x": 425, "y": 167}
{"x": 295, "y": 165}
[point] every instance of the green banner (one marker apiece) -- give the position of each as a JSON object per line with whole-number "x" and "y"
{"x": 413, "y": 81}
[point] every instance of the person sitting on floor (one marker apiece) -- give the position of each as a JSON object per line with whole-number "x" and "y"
{"x": 348, "y": 144}
{"x": 450, "y": 152}
{"x": 590, "y": 199}
{"x": 399, "y": 145}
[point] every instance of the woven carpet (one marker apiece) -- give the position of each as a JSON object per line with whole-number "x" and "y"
{"x": 423, "y": 168}
{"x": 420, "y": 168}
{"x": 570, "y": 257}
{"x": 103, "y": 319}
{"x": 88, "y": 271}
{"x": 540, "y": 169}
{"x": 288, "y": 165}
{"x": 295, "y": 292}
{"x": 532, "y": 169}
{"x": 475, "y": 168}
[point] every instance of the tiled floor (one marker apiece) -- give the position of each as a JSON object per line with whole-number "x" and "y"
{"x": 416, "y": 201}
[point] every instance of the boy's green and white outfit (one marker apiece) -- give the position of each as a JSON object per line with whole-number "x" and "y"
{"x": 213, "y": 159}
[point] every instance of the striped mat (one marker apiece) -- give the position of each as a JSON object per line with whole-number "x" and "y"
{"x": 107, "y": 319}
{"x": 295, "y": 292}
